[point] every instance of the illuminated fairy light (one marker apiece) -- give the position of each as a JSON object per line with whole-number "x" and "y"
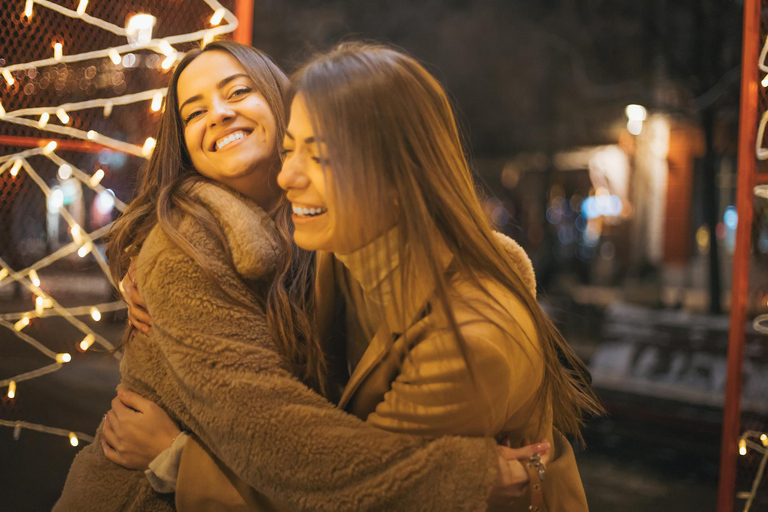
{"x": 96, "y": 178}
{"x": 166, "y": 48}
{"x": 15, "y": 168}
{"x": 3, "y": 273}
{"x": 39, "y": 306}
{"x": 168, "y": 61}
{"x": 76, "y": 234}
{"x": 149, "y": 146}
{"x": 2, "y": 110}
{"x": 73, "y": 439}
{"x": 84, "y": 250}
{"x": 63, "y": 358}
{"x": 65, "y": 172}
{"x": 108, "y": 109}
{"x": 139, "y": 29}
{"x": 95, "y": 314}
{"x": 8, "y": 77}
{"x": 21, "y": 323}
{"x": 114, "y": 56}
{"x": 764, "y": 81}
{"x": 208, "y": 39}
{"x": 87, "y": 342}
{"x": 12, "y": 389}
{"x": 34, "y": 277}
{"x": 28, "y": 8}
{"x": 742, "y": 447}
{"x": 62, "y": 115}
{"x": 44, "y": 117}
{"x": 92, "y": 134}
{"x": 48, "y": 149}
{"x": 58, "y": 51}
{"x": 157, "y": 102}
{"x": 217, "y": 16}
{"x": 81, "y": 7}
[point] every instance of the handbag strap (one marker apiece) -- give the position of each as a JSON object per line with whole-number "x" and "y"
{"x": 535, "y": 485}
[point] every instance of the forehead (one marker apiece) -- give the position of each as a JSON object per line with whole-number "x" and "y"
{"x": 299, "y": 124}
{"x": 204, "y": 72}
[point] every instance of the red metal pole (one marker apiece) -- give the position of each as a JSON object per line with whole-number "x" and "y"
{"x": 244, "y": 12}
{"x": 740, "y": 284}
{"x": 84, "y": 146}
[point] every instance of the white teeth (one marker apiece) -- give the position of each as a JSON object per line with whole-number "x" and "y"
{"x": 229, "y": 138}
{"x": 298, "y": 210}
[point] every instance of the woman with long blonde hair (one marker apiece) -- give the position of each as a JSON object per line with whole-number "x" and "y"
{"x": 233, "y": 354}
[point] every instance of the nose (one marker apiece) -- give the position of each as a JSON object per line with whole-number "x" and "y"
{"x": 292, "y": 175}
{"x": 221, "y": 112}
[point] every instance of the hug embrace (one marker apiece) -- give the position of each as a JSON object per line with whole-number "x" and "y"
{"x": 323, "y": 317}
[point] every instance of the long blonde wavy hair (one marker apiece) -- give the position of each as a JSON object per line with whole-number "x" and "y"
{"x": 162, "y": 196}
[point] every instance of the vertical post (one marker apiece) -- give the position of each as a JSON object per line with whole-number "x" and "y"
{"x": 244, "y": 12}
{"x": 739, "y": 287}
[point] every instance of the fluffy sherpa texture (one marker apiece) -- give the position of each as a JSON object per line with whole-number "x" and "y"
{"x": 520, "y": 261}
{"x": 211, "y": 364}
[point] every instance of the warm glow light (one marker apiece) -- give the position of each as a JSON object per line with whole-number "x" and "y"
{"x": 81, "y": 7}
{"x": 62, "y": 115}
{"x": 65, "y": 171}
{"x": 48, "y": 149}
{"x": 166, "y": 47}
{"x": 97, "y": 177}
{"x": 157, "y": 102}
{"x": 84, "y": 250}
{"x": 44, "y": 117}
{"x": 73, "y": 439}
{"x": 95, "y": 314}
{"x": 168, "y": 61}
{"x": 149, "y": 146}
{"x": 108, "y": 109}
{"x": 58, "y": 51}
{"x": 56, "y": 200}
{"x": 742, "y": 447}
{"x": 2, "y": 109}
{"x": 39, "y": 305}
{"x": 12, "y": 389}
{"x": 635, "y": 126}
{"x": 764, "y": 439}
{"x": 28, "y": 8}
{"x": 636, "y": 112}
{"x": 8, "y": 77}
{"x": 15, "y": 168}
{"x": 34, "y": 277}
{"x": 139, "y": 29}
{"x": 92, "y": 134}
{"x": 207, "y": 39}
{"x": 76, "y": 234}
{"x": 218, "y": 15}
{"x": 87, "y": 342}
{"x": 63, "y": 358}
{"x": 3, "y": 273}
{"x": 21, "y": 323}
{"x": 114, "y": 56}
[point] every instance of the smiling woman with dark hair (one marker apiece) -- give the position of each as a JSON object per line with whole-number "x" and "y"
{"x": 233, "y": 352}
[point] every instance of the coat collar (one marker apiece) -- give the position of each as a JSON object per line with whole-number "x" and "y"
{"x": 251, "y": 234}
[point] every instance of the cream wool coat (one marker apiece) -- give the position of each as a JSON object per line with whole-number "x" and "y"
{"x": 211, "y": 364}
{"x": 416, "y": 381}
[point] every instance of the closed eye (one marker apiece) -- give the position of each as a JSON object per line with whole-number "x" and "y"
{"x": 241, "y": 91}
{"x": 192, "y": 116}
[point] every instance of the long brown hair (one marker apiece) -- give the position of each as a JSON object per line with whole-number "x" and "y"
{"x": 162, "y": 197}
{"x": 388, "y": 125}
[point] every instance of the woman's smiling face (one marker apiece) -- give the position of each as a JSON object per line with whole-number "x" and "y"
{"x": 229, "y": 128}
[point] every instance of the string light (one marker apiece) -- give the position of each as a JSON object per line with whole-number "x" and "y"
{"x": 62, "y": 115}
{"x": 95, "y": 314}
{"x": 207, "y": 39}
{"x": 81, "y": 7}
{"x": 15, "y": 168}
{"x": 39, "y": 306}
{"x": 12, "y": 389}
{"x": 34, "y": 277}
{"x": 149, "y": 146}
{"x": 48, "y": 149}
{"x": 166, "y": 47}
{"x": 28, "y": 8}
{"x": 73, "y": 439}
{"x": 63, "y": 358}
{"x": 108, "y": 108}
{"x": 21, "y": 323}
{"x": 139, "y": 29}
{"x": 168, "y": 61}
{"x": 96, "y": 178}
{"x": 764, "y": 439}
{"x": 2, "y": 110}
{"x": 217, "y": 16}
{"x": 8, "y": 77}
{"x": 43, "y": 119}
{"x": 58, "y": 50}
{"x": 87, "y": 342}
{"x": 76, "y": 234}
{"x": 3, "y": 273}
{"x": 92, "y": 134}
{"x": 114, "y": 56}
{"x": 157, "y": 102}
{"x": 742, "y": 447}
{"x": 65, "y": 172}
{"x": 84, "y": 250}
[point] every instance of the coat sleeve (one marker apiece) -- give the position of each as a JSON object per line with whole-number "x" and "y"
{"x": 438, "y": 392}
{"x": 227, "y": 384}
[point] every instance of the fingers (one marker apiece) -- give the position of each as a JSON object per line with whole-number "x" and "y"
{"x": 110, "y": 453}
{"x": 525, "y": 452}
{"x": 133, "y": 400}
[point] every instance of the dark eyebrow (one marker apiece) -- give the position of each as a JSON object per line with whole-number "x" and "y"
{"x": 308, "y": 140}
{"x": 219, "y": 85}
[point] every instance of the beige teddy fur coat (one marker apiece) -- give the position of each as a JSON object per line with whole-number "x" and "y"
{"x": 212, "y": 365}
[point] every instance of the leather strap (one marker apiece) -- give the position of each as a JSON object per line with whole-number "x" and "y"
{"x": 535, "y": 485}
